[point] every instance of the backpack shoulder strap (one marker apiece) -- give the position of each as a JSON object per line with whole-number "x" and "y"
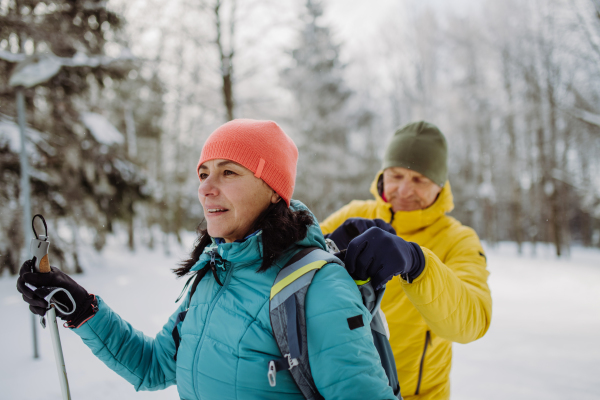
{"x": 379, "y": 330}
{"x": 181, "y": 316}
{"x": 288, "y": 318}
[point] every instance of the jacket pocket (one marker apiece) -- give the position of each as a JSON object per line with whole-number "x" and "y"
{"x": 427, "y": 342}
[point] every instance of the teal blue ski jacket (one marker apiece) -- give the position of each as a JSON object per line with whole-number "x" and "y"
{"x": 227, "y": 340}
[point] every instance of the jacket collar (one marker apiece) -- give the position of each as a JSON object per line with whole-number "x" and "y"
{"x": 249, "y": 251}
{"x": 406, "y": 222}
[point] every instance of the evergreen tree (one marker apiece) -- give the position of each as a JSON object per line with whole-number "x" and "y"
{"x": 81, "y": 174}
{"x": 332, "y": 169}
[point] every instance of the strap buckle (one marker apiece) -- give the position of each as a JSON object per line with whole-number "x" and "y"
{"x": 280, "y": 365}
{"x": 272, "y": 374}
{"x": 331, "y": 246}
{"x": 293, "y": 362}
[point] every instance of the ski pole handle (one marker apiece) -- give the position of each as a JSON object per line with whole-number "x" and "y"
{"x": 39, "y": 248}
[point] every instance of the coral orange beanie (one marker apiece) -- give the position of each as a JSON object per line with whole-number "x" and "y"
{"x": 261, "y": 146}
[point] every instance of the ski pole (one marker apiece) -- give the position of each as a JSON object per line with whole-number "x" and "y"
{"x": 39, "y": 250}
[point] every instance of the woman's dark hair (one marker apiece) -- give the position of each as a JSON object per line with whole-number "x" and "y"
{"x": 281, "y": 227}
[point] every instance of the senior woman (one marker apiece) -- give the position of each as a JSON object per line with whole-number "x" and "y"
{"x": 247, "y": 171}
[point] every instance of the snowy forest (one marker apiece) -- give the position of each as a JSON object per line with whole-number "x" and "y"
{"x": 115, "y": 134}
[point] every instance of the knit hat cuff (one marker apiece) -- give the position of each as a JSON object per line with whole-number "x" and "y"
{"x": 278, "y": 181}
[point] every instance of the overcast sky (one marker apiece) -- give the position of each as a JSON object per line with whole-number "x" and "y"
{"x": 355, "y": 22}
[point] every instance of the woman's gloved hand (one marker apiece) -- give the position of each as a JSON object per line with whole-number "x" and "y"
{"x": 353, "y": 227}
{"x": 72, "y": 302}
{"x": 381, "y": 255}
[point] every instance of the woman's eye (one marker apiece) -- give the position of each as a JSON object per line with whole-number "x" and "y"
{"x": 203, "y": 176}
{"x": 228, "y": 172}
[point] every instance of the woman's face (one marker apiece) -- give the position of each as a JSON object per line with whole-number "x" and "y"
{"x": 232, "y": 198}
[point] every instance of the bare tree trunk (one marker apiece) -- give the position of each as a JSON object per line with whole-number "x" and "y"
{"x": 544, "y": 181}
{"x": 486, "y": 179}
{"x": 226, "y": 56}
{"x": 534, "y": 205}
{"x": 130, "y": 132}
{"x": 536, "y": 161}
{"x": 178, "y": 180}
{"x": 130, "y": 227}
{"x": 539, "y": 96}
{"x": 516, "y": 195}
{"x": 75, "y": 246}
{"x": 553, "y": 185}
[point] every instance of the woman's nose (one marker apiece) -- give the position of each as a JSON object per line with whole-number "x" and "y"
{"x": 208, "y": 187}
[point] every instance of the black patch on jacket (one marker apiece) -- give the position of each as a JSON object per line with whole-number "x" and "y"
{"x": 355, "y": 322}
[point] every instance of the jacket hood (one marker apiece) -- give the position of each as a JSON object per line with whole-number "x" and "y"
{"x": 249, "y": 252}
{"x": 411, "y": 221}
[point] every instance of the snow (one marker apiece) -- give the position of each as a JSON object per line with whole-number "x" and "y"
{"x": 123, "y": 279}
{"x": 52, "y": 63}
{"x": 10, "y": 135}
{"x": 586, "y": 116}
{"x": 127, "y": 169}
{"x": 543, "y": 341}
{"x": 12, "y": 57}
{"x": 38, "y": 69}
{"x": 101, "y": 128}
{"x": 83, "y": 60}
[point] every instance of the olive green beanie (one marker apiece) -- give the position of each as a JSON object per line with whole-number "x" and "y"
{"x": 421, "y": 147}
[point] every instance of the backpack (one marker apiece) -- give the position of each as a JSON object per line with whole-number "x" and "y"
{"x": 288, "y": 321}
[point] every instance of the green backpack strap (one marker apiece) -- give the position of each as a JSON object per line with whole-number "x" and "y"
{"x": 288, "y": 319}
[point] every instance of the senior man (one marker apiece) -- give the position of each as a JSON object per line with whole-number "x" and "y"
{"x": 441, "y": 293}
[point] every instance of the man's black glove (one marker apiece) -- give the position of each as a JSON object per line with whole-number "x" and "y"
{"x": 352, "y": 227}
{"x": 380, "y": 255}
{"x": 73, "y": 303}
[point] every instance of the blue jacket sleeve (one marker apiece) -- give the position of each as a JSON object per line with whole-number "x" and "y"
{"x": 144, "y": 362}
{"x": 344, "y": 361}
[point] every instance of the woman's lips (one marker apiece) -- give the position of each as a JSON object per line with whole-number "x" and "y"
{"x": 215, "y": 211}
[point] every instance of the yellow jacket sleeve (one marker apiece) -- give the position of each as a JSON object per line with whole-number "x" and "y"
{"x": 354, "y": 209}
{"x": 332, "y": 222}
{"x": 454, "y": 298}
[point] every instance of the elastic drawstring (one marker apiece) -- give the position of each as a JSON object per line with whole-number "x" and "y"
{"x": 185, "y": 287}
{"x": 200, "y": 274}
{"x": 213, "y": 267}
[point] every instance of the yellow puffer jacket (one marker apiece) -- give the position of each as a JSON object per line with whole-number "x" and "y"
{"x": 449, "y": 302}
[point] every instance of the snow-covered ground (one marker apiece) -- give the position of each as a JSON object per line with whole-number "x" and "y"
{"x": 544, "y": 342}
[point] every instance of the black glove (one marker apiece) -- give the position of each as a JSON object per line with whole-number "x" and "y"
{"x": 352, "y": 227}
{"x": 380, "y": 255}
{"x": 73, "y": 303}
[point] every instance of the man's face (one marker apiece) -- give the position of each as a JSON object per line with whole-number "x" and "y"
{"x": 408, "y": 190}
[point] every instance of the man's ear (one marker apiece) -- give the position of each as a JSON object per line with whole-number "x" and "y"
{"x": 275, "y": 198}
